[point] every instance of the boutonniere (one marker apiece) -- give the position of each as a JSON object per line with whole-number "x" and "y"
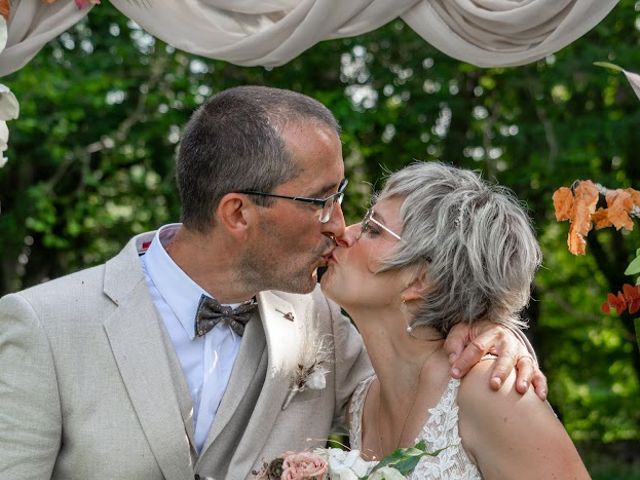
{"x": 312, "y": 365}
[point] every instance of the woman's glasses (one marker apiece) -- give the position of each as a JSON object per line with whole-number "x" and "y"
{"x": 368, "y": 219}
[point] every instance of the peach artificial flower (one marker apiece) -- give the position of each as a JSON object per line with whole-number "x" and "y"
{"x": 303, "y": 466}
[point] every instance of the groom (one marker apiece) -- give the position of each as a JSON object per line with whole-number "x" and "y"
{"x": 131, "y": 369}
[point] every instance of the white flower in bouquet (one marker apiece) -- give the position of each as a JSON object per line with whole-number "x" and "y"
{"x": 344, "y": 465}
{"x": 386, "y": 473}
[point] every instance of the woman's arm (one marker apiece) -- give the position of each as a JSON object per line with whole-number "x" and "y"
{"x": 513, "y": 436}
{"x": 466, "y": 346}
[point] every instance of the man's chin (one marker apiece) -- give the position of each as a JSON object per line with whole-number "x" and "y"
{"x": 304, "y": 285}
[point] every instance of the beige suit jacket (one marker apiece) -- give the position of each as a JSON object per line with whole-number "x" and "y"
{"x": 90, "y": 387}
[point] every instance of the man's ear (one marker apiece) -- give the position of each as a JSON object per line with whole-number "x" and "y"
{"x": 235, "y": 213}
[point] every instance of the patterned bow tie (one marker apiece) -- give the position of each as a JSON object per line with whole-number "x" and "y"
{"x": 210, "y": 313}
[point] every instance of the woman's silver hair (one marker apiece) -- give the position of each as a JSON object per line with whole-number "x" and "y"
{"x": 473, "y": 239}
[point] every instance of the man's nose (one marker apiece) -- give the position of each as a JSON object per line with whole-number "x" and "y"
{"x": 335, "y": 227}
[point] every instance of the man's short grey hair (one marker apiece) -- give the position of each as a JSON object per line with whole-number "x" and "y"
{"x": 473, "y": 239}
{"x": 233, "y": 142}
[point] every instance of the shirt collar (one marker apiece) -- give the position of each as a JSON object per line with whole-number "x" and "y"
{"x": 178, "y": 290}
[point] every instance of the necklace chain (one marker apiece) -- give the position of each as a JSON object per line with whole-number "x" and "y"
{"x": 406, "y": 418}
{"x": 404, "y": 423}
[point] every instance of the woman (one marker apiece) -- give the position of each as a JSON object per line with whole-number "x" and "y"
{"x": 440, "y": 247}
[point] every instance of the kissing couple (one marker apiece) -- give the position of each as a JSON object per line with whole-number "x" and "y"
{"x": 174, "y": 359}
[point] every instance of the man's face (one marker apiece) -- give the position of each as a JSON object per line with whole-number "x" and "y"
{"x": 289, "y": 243}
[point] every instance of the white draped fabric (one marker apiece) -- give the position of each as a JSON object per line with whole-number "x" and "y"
{"x": 32, "y": 23}
{"x": 272, "y": 32}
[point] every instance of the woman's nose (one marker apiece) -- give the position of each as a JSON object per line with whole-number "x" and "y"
{"x": 349, "y": 237}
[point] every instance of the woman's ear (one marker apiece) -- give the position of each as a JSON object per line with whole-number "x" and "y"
{"x": 416, "y": 286}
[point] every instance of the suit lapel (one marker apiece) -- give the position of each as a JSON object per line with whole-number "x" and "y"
{"x": 283, "y": 337}
{"x": 138, "y": 347}
{"x": 181, "y": 389}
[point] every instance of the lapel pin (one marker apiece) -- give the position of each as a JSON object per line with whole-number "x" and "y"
{"x": 287, "y": 315}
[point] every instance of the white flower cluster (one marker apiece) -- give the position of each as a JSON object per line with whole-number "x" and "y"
{"x": 349, "y": 465}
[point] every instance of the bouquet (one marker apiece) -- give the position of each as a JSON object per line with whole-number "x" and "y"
{"x": 338, "y": 464}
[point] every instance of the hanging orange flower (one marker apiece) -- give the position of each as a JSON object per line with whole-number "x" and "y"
{"x": 578, "y": 205}
{"x": 619, "y": 203}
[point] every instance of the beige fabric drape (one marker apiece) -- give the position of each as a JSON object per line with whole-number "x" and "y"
{"x": 32, "y": 23}
{"x": 272, "y": 32}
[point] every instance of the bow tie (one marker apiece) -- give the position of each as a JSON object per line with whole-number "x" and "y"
{"x": 210, "y": 313}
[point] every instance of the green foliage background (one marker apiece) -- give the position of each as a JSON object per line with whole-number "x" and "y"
{"x": 92, "y": 163}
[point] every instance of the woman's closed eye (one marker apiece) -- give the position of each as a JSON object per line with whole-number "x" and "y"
{"x": 370, "y": 229}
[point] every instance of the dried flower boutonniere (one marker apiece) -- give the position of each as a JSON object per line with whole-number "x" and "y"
{"x": 312, "y": 365}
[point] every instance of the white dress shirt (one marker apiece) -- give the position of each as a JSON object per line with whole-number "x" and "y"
{"x": 206, "y": 361}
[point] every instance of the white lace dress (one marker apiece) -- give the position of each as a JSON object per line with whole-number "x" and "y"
{"x": 440, "y": 431}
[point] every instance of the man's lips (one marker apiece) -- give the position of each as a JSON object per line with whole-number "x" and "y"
{"x": 328, "y": 257}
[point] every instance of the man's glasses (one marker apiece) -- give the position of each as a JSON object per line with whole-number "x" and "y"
{"x": 324, "y": 205}
{"x": 368, "y": 219}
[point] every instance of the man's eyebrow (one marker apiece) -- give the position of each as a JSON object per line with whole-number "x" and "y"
{"x": 325, "y": 191}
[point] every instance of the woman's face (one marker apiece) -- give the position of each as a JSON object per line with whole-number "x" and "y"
{"x": 351, "y": 279}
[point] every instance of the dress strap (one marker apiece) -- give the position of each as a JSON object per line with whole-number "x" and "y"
{"x": 356, "y": 409}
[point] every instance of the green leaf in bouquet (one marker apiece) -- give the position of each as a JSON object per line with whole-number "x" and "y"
{"x": 393, "y": 457}
{"x": 634, "y": 267}
{"x": 405, "y": 459}
{"x": 406, "y": 466}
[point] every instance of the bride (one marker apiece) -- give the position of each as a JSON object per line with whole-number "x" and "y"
{"x": 442, "y": 247}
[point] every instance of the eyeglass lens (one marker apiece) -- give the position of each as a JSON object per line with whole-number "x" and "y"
{"x": 329, "y": 204}
{"x": 365, "y": 226}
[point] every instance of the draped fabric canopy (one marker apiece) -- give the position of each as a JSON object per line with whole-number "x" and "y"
{"x": 272, "y": 32}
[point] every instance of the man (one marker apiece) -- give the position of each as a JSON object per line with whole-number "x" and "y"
{"x": 106, "y": 374}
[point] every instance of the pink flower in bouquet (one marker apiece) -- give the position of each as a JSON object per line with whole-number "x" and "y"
{"x": 303, "y": 466}
{"x": 85, "y": 3}
{"x": 79, "y": 3}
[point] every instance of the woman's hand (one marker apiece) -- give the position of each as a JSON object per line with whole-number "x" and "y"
{"x": 466, "y": 346}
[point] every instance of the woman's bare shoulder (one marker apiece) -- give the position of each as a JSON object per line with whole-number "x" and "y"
{"x": 476, "y": 396}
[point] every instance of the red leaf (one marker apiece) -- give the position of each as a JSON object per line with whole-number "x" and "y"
{"x": 630, "y": 292}
{"x": 616, "y": 301}
{"x": 621, "y": 304}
